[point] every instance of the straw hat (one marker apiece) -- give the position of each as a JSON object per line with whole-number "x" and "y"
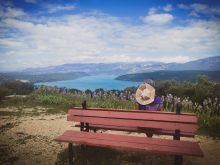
{"x": 145, "y": 94}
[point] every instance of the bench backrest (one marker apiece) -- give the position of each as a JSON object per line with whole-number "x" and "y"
{"x": 135, "y": 118}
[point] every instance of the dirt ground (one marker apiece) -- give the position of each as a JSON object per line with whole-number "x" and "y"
{"x": 28, "y": 139}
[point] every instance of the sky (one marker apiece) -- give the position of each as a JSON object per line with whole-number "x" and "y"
{"x": 40, "y": 33}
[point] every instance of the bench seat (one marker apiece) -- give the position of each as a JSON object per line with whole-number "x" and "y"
{"x": 161, "y": 146}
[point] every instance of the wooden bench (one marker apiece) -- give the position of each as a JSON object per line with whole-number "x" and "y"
{"x": 138, "y": 113}
{"x": 149, "y": 122}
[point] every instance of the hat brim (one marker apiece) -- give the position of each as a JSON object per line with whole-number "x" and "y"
{"x": 140, "y": 91}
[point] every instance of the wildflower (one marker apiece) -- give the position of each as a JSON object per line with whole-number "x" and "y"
{"x": 205, "y": 102}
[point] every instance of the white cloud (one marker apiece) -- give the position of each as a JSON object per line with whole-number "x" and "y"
{"x": 198, "y": 8}
{"x": 159, "y": 19}
{"x": 168, "y": 8}
{"x": 31, "y": 1}
{"x": 9, "y": 43}
{"x": 178, "y": 59}
{"x": 152, "y": 10}
{"x": 201, "y": 8}
{"x": 11, "y": 12}
{"x": 102, "y": 38}
{"x": 183, "y": 6}
{"x": 2, "y": 62}
{"x": 53, "y": 8}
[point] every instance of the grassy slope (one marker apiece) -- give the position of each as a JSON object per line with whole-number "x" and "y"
{"x": 57, "y": 103}
{"x": 41, "y": 77}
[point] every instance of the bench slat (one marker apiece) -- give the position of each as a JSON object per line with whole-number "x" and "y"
{"x": 162, "y": 146}
{"x": 135, "y": 123}
{"x": 135, "y": 115}
{"x": 136, "y": 111}
{"x": 135, "y": 129}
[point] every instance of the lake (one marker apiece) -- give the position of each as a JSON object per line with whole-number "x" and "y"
{"x": 106, "y": 82}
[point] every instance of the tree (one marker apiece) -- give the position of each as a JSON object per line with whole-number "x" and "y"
{"x": 203, "y": 89}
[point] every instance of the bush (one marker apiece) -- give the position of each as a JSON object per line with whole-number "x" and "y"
{"x": 209, "y": 125}
{"x": 52, "y": 99}
{"x": 214, "y": 125}
{"x": 4, "y": 92}
{"x": 197, "y": 92}
{"x": 18, "y": 87}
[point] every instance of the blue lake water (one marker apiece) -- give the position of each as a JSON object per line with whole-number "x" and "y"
{"x": 106, "y": 82}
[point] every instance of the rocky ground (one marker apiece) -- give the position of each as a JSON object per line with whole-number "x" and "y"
{"x": 26, "y": 137}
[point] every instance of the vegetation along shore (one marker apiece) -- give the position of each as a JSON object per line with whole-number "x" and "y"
{"x": 201, "y": 97}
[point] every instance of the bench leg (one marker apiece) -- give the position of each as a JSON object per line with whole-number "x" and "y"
{"x": 70, "y": 153}
{"x": 149, "y": 134}
{"x": 178, "y": 160}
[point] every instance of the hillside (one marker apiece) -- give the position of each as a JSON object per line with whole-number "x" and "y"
{"x": 101, "y": 68}
{"x": 210, "y": 63}
{"x": 41, "y": 77}
{"x": 188, "y": 75}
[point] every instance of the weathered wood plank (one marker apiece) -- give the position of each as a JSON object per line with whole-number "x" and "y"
{"x": 135, "y": 123}
{"x": 134, "y": 115}
{"x": 162, "y": 146}
{"x": 135, "y": 110}
{"x": 135, "y": 129}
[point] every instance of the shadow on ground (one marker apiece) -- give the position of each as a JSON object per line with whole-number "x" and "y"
{"x": 104, "y": 156}
{"x": 6, "y": 157}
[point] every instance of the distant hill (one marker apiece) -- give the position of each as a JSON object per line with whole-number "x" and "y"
{"x": 188, "y": 75}
{"x": 100, "y": 68}
{"x": 41, "y": 77}
{"x": 210, "y": 63}
{"x": 206, "y": 64}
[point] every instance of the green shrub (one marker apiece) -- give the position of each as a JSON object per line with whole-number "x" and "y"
{"x": 52, "y": 99}
{"x": 4, "y": 92}
{"x": 213, "y": 124}
{"x": 111, "y": 103}
{"x": 17, "y": 87}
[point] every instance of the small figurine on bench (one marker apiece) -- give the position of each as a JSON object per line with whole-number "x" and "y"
{"x": 145, "y": 96}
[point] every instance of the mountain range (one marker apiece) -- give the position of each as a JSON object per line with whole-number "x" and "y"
{"x": 130, "y": 70}
{"x": 206, "y": 64}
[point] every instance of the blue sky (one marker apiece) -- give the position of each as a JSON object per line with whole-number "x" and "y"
{"x": 38, "y": 33}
